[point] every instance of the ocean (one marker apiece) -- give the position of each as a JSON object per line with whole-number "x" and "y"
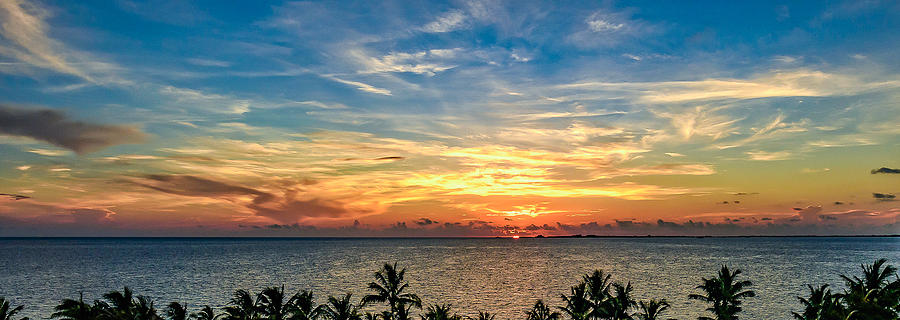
{"x": 502, "y": 276}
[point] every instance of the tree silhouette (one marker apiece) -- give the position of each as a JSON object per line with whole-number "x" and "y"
{"x": 540, "y": 311}
{"x": 725, "y": 293}
{"x": 622, "y": 302}
{"x": 144, "y": 309}
{"x": 440, "y": 312}
{"x": 578, "y": 306}
{"x": 302, "y": 306}
{"x": 482, "y": 316}
{"x": 874, "y": 297}
{"x": 598, "y": 285}
{"x": 342, "y": 309}
{"x": 389, "y": 286}
{"x": 205, "y": 313}
{"x": 7, "y": 312}
{"x": 271, "y": 304}
{"x": 241, "y": 307}
{"x": 821, "y": 305}
{"x": 118, "y": 305}
{"x": 176, "y": 311}
{"x": 651, "y": 310}
{"x": 70, "y": 309}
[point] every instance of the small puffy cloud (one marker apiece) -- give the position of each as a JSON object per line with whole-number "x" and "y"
{"x": 56, "y": 128}
{"x": 885, "y": 170}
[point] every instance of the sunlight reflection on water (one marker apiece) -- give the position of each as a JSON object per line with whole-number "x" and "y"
{"x": 497, "y": 275}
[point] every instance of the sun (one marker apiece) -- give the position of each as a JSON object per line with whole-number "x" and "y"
{"x": 515, "y": 237}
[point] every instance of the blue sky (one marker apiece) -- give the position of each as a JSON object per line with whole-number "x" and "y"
{"x": 503, "y": 114}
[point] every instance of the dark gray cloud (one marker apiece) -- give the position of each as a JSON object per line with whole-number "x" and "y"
{"x": 187, "y": 185}
{"x": 546, "y": 227}
{"x": 425, "y": 222}
{"x": 285, "y": 208}
{"x": 56, "y": 128}
{"x": 885, "y": 170}
{"x": 884, "y": 196}
{"x": 15, "y": 196}
{"x": 293, "y": 210}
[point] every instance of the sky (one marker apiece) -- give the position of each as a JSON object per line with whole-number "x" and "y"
{"x": 459, "y": 118}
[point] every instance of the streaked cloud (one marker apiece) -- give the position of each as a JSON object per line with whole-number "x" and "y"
{"x": 56, "y": 128}
{"x": 450, "y": 21}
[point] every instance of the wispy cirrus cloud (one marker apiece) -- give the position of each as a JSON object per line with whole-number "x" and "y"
{"x": 447, "y": 22}
{"x": 361, "y": 86}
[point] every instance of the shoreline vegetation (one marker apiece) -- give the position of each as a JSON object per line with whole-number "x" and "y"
{"x": 873, "y": 296}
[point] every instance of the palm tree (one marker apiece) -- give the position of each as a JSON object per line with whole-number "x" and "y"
{"x": 176, "y": 311}
{"x": 821, "y": 305}
{"x": 7, "y": 312}
{"x": 483, "y": 316}
{"x": 724, "y": 293}
{"x": 540, "y": 311}
{"x": 389, "y": 287}
{"x": 272, "y": 305}
{"x": 652, "y": 310}
{"x": 874, "y": 296}
{"x": 70, "y": 309}
{"x": 440, "y": 312}
{"x": 205, "y": 313}
{"x": 241, "y": 307}
{"x": 342, "y": 309}
{"x": 621, "y": 302}
{"x": 598, "y": 285}
{"x": 302, "y": 306}
{"x": 144, "y": 310}
{"x": 578, "y": 306}
{"x": 118, "y": 305}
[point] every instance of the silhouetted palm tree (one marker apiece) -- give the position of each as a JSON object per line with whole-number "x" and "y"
{"x": 482, "y": 316}
{"x": 272, "y": 305}
{"x": 540, "y": 311}
{"x": 652, "y": 310}
{"x": 176, "y": 311}
{"x": 725, "y": 293}
{"x": 241, "y": 307}
{"x": 621, "y": 303}
{"x": 118, "y": 305}
{"x": 144, "y": 310}
{"x": 70, "y": 309}
{"x": 302, "y": 306}
{"x": 873, "y": 297}
{"x": 389, "y": 287}
{"x": 7, "y": 312}
{"x": 598, "y": 285}
{"x": 440, "y": 312}
{"x": 821, "y": 305}
{"x": 578, "y": 306}
{"x": 205, "y": 313}
{"x": 342, "y": 309}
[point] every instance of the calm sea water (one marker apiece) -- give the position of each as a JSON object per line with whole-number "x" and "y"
{"x": 504, "y": 276}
